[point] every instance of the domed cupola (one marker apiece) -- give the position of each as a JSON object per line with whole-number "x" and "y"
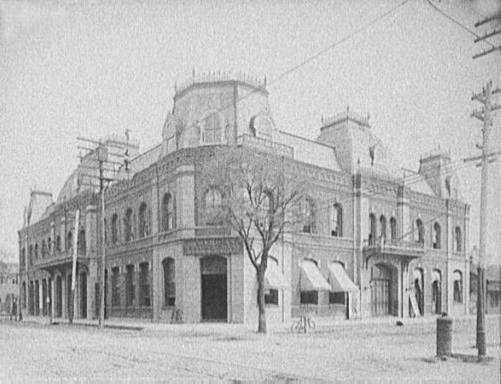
{"x": 216, "y": 108}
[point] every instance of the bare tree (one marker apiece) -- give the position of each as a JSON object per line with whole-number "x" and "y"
{"x": 258, "y": 200}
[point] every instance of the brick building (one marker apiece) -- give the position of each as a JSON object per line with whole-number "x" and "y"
{"x": 375, "y": 244}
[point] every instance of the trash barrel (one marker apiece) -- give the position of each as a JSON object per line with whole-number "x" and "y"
{"x": 444, "y": 336}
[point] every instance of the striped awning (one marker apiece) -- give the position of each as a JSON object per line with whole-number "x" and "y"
{"x": 339, "y": 280}
{"x": 311, "y": 278}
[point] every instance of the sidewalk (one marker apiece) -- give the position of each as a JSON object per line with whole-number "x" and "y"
{"x": 322, "y": 324}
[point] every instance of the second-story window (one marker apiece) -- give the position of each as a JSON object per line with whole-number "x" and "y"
{"x": 382, "y": 223}
{"x": 167, "y": 212}
{"x": 58, "y": 243}
{"x": 36, "y": 251}
{"x": 337, "y": 220}
{"x": 144, "y": 227}
{"x": 393, "y": 229}
{"x": 436, "y": 236}
{"x": 213, "y": 201}
{"x": 458, "y": 239}
{"x": 372, "y": 229}
{"x": 114, "y": 229}
{"x": 308, "y": 215}
{"x": 44, "y": 249}
{"x": 69, "y": 241}
{"x": 128, "y": 233}
{"x": 419, "y": 232}
{"x": 81, "y": 244}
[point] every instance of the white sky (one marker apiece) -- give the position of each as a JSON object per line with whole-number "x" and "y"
{"x": 70, "y": 68}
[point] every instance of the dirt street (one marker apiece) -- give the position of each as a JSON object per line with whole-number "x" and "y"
{"x": 222, "y": 352}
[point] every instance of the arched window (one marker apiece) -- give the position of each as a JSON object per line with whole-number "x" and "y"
{"x": 212, "y": 202}
{"x": 49, "y": 245}
{"x": 308, "y": 213}
{"x": 114, "y": 229}
{"x": 143, "y": 221}
{"x": 382, "y": 223}
{"x": 69, "y": 241}
{"x": 167, "y": 212}
{"x": 393, "y": 229}
{"x": 212, "y": 129}
{"x": 337, "y": 220}
{"x": 212, "y": 198}
{"x": 30, "y": 255}
{"x": 128, "y": 234}
{"x": 436, "y": 236}
{"x": 81, "y": 244}
{"x": 458, "y": 239}
{"x": 419, "y": 232}
{"x": 169, "y": 282}
{"x": 458, "y": 286}
{"x": 44, "y": 249}
{"x": 23, "y": 257}
{"x": 372, "y": 229}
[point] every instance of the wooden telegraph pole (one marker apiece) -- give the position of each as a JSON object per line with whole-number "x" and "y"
{"x": 103, "y": 165}
{"x": 487, "y": 157}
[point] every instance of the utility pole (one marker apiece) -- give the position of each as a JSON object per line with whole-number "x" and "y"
{"x": 488, "y": 35}
{"x": 487, "y": 157}
{"x": 97, "y": 161}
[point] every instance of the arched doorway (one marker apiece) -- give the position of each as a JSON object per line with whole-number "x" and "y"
{"x": 383, "y": 290}
{"x": 214, "y": 288}
{"x": 83, "y": 295}
{"x": 419, "y": 289}
{"x": 59, "y": 296}
{"x": 436, "y": 292}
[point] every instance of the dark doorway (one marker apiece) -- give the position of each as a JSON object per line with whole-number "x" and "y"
{"x": 59, "y": 297}
{"x": 436, "y": 297}
{"x": 381, "y": 290}
{"x": 419, "y": 289}
{"x": 69, "y": 302}
{"x": 44, "y": 297}
{"x": 214, "y": 289}
{"x": 83, "y": 295}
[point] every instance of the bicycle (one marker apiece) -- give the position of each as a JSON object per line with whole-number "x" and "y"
{"x": 176, "y": 316}
{"x": 303, "y": 325}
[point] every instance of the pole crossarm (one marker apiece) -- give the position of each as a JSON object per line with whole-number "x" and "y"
{"x": 487, "y": 20}
{"x": 486, "y": 52}
{"x": 487, "y": 35}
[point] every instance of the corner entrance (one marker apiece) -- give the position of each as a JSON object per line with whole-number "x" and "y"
{"x": 214, "y": 288}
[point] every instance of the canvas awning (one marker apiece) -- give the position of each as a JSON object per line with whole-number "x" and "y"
{"x": 273, "y": 277}
{"x": 339, "y": 279}
{"x": 311, "y": 278}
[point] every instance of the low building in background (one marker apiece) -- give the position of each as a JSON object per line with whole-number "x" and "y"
{"x": 374, "y": 244}
{"x": 9, "y": 286}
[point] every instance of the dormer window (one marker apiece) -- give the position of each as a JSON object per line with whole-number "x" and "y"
{"x": 212, "y": 129}
{"x": 261, "y": 126}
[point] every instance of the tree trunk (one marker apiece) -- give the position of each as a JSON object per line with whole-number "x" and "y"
{"x": 260, "y": 301}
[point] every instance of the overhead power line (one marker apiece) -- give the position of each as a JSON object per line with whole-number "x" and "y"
{"x": 457, "y": 22}
{"x": 336, "y": 43}
{"x": 312, "y": 57}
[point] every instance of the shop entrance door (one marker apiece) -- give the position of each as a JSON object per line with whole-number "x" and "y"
{"x": 214, "y": 289}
